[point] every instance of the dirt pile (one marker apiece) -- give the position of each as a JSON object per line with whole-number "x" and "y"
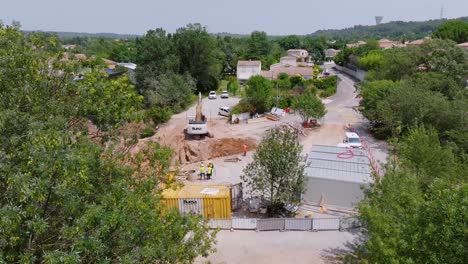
{"x": 209, "y": 148}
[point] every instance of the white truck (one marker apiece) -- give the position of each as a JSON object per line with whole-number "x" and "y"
{"x": 352, "y": 140}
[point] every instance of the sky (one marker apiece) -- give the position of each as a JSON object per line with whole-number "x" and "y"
{"x": 235, "y": 16}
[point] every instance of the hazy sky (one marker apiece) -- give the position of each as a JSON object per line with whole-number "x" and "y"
{"x": 235, "y": 16}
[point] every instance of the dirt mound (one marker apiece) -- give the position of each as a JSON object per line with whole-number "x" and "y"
{"x": 209, "y": 148}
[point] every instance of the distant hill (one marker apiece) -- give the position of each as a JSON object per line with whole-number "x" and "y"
{"x": 64, "y": 35}
{"x": 391, "y": 30}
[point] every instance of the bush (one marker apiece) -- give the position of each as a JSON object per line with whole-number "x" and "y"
{"x": 158, "y": 115}
{"x": 296, "y": 81}
{"x": 324, "y": 83}
{"x": 285, "y": 101}
{"x": 233, "y": 86}
{"x": 242, "y": 107}
{"x": 331, "y": 90}
{"x": 147, "y": 132}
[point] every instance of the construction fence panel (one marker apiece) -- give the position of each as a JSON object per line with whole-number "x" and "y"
{"x": 220, "y": 223}
{"x": 297, "y": 224}
{"x": 244, "y": 223}
{"x": 236, "y": 196}
{"x": 349, "y": 222}
{"x": 270, "y": 224}
{"x": 326, "y": 224}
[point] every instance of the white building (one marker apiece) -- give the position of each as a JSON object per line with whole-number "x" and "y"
{"x": 247, "y": 69}
{"x": 336, "y": 176}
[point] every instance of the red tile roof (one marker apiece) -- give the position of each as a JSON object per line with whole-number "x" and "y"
{"x": 249, "y": 63}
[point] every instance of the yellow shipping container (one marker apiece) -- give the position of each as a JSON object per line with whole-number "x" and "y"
{"x": 210, "y": 201}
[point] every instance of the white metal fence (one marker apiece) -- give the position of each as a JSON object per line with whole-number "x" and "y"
{"x": 285, "y": 224}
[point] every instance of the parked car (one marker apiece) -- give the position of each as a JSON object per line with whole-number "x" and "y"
{"x": 224, "y": 95}
{"x": 224, "y": 111}
{"x": 212, "y": 95}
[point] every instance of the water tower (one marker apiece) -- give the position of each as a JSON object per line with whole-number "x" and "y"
{"x": 378, "y": 20}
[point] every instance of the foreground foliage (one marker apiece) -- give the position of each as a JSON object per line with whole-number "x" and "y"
{"x": 65, "y": 198}
{"x": 417, "y": 212}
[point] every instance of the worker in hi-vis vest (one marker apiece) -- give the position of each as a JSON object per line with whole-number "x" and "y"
{"x": 209, "y": 172}
{"x": 202, "y": 171}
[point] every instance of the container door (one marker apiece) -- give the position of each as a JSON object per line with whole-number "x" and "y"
{"x": 236, "y": 196}
{"x": 191, "y": 206}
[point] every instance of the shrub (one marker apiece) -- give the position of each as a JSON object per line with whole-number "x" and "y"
{"x": 331, "y": 90}
{"x": 242, "y": 107}
{"x": 147, "y": 132}
{"x": 158, "y": 115}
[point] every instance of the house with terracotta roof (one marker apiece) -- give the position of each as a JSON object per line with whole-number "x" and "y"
{"x": 301, "y": 55}
{"x": 417, "y": 42}
{"x": 304, "y": 72}
{"x": 247, "y": 69}
{"x": 356, "y": 45}
{"x": 385, "y": 43}
{"x": 463, "y": 45}
{"x": 288, "y": 60}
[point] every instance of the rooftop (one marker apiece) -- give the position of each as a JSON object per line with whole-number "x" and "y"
{"x": 339, "y": 164}
{"x": 198, "y": 191}
{"x": 249, "y": 63}
{"x": 351, "y": 134}
{"x": 291, "y": 71}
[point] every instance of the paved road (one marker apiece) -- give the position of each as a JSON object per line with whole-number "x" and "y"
{"x": 341, "y": 110}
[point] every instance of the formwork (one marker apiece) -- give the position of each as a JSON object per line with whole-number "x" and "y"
{"x": 209, "y": 201}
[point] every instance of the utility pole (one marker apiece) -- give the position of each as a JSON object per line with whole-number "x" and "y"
{"x": 442, "y": 12}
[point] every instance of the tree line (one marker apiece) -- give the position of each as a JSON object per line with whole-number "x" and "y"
{"x": 416, "y": 98}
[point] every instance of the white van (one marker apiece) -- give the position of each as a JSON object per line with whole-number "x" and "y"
{"x": 352, "y": 140}
{"x": 224, "y": 111}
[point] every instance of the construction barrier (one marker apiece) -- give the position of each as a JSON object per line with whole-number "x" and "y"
{"x": 220, "y": 223}
{"x": 244, "y": 223}
{"x": 270, "y": 224}
{"x": 289, "y": 224}
{"x": 297, "y": 224}
{"x": 325, "y": 223}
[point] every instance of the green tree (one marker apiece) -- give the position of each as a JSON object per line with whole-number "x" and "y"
{"x": 199, "y": 56}
{"x": 290, "y": 42}
{"x": 309, "y": 106}
{"x": 155, "y": 55}
{"x": 233, "y": 85}
{"x": 258, "y": 93}
{"x": 316, "y": 48}
{"x": 282, "y": 82}
{"x": 276, "y": 173}
{"x": 455, "y": 30}
{"x": 169, "y": 90}
{"x": 407, "y": 219}
{"x": 372, "y": 61}
{"x": 258, "y": 48}
{"x": 107, "y": 102}
{"x": 64, "y": 198}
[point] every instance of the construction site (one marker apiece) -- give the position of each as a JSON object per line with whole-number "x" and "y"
{"x": 335, "y": 171}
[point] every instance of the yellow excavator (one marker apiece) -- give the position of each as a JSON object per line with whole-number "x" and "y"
{"x": 198, "y": 126}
